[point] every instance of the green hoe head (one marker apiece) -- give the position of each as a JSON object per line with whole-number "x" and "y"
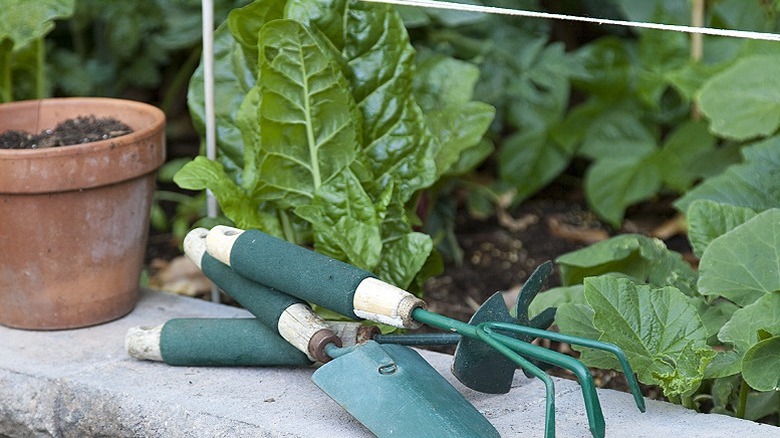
{"x": 394, "y": 392}
{"x": 480, "y": 366}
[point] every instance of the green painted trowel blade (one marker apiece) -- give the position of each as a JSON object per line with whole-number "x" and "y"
{"x": 394, "y": 392}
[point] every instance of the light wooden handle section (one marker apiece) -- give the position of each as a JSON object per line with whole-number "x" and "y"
{"x": 144, "y": 343}
{"x": 220, "y": 241}
{"x": 378, "y": 301}
{"x": 195, "y": 245}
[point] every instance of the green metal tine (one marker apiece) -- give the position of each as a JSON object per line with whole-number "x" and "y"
{"x": 592, "y": 404}
{"x": 585, "y": 342}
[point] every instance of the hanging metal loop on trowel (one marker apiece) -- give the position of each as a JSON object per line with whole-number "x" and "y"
{"x": 356, "y": 293}
{"x": 391, "y": 389}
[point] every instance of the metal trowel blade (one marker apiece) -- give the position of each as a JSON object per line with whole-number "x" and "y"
{"x": 394, "y": 392}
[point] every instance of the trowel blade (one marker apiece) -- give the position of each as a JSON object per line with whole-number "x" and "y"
{"x": 394, "y": 392}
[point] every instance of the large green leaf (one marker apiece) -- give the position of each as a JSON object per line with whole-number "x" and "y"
{"x": 743, "y": 101}
{"x": 556, "y": 297}
{"x": 24, "y": 22}
{"x": 309, "y": 125}
{"x": 614, "y": 183}
{"x": 742, "y": 330}
{"x": 379, "y": 63}
{"x": 755, "y": 183}
{"x": 708, "y": 220}
{"x": 576, "y": 318}
{"x": 529, "y": 160}
{"x": 761, "y": 365}
{"x": 683, "y": 149}
{"x": 642, "y": 258}
{"x": 238, "y": 205}
{"x": 744, "y": 264}
{"x": 658, "y": 328}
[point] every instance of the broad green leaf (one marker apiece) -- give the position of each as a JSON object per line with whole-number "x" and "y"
{"x": 614, "y": 183}
{"x": 761, "y": 365}
{"x": 742, "y": 329}
{"x": 607, "y": 67}
{"x": 245, "y": 24}
{"x": 743, "y": 101}
{"x": 660, "y": 53}
{"x": 617, "y": 132}
{"x": 458, "y": 129}
{"x": 755, "y": 183}
{"x": 441, "y": 82}
{"x": 402, "y": 258}
{"x": 744, "y": 264}
{"x": 685, "y": 146}
{"x": 24, "y": 22}
{"x": 577, "y": 319}
{"x": 714, "y": 314}
{"x": 556, "y": 297}
{"x": 309, "y": 129}
{"x": 658, "y": 328}
{"x": 379, "y": 62}
{"x": 708, "y": 220}
{"x": 202, "y": 173}
{"x": 724, "y": 364}
{"x": 529, "y": 161}
{"x": 688, "y": 79}
{"x": 644, "y": 259}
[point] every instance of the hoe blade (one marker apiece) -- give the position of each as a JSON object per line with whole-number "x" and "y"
{"x": 394, "y": 392}
{"x": 480, "y": 366}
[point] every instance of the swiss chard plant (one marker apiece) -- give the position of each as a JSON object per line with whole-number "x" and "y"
{"x": 330, "y": 126}
{"x": 708, "y": 337}
{"x": 23, "y": 27}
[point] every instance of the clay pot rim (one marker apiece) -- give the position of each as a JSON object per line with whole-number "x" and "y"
{"x": 82, "y": 166}
{"x": 79, "y": 149}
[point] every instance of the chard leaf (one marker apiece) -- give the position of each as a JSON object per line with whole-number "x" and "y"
{"x": 403, "y": 257}
{"x": 761, "y": 364}
{"x": 239, "y": 206}
{"x": 612, "y": 184}
{"x": 644, "y": 259}
{"x": 346, "y": 221}
{"x": 744, "y": 264}
{"x": 708, "y": 220}
{"x": 379, "y": 62}
{"x": 742, "y": 330}
{"x": 658, "y": 328}
{"x": 755, "y": 183}
{"x": 309, "y": 129}
{"x": 743, "y": 101}
{"x": 245, "y": 24}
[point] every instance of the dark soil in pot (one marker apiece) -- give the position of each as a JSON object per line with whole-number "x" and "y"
{"x": 78, "y": 130}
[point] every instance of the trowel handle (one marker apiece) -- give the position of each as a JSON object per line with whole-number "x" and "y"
{"x": 213, "y": 342}
{"x": 292, "y": 318}
{"x": 313, "y": 277}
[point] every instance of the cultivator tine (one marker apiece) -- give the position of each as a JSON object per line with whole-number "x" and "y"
{"x": 631, "y": 379}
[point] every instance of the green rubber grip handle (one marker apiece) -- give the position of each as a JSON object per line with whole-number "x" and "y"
{"x": 226, "y": 342}
{"x": 295, "y": 270}
{"x": 265, "y": 303}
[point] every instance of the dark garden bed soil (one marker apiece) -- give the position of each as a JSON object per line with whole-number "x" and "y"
{"x": 78, "y": 130}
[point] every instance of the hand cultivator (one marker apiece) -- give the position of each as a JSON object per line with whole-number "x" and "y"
{"x": 275, "y": 279}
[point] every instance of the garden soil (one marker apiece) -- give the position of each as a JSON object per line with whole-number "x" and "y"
{"x": 78, "y": 130}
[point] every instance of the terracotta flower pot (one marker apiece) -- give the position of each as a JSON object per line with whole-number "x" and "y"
{"x": 74, "y": 219}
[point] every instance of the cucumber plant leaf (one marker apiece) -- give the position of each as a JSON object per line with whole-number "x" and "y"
{"x": 708, "y": 220}
{"x": 658, "y": 328}
{"x": 743, "y": 101}
{"x": 754, "y": 183}
{"x": 742, "y": 330}
{"x": 644, "y": 259}
{"x": 744, "y": 264}
{"x": 761, "y": 364}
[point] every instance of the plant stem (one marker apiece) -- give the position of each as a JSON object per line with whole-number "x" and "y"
{"x": 6, "y": 93}
{"x": 40, "y": 66}
{"x": 743, "y": 394}
{"x": 180, "y": 79}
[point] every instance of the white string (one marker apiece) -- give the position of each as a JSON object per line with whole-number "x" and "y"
{"x": 533, "y": 14}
